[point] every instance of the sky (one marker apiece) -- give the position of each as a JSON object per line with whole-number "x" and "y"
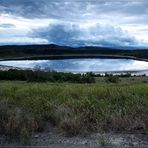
{"x": 109, "y": 23}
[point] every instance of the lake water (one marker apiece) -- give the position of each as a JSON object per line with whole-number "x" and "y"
{"x": 83, "y": 65}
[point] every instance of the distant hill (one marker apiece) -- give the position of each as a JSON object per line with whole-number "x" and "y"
{"x": 16, "y": 51}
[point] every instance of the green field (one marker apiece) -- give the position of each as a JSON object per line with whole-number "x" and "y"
{"x": 75, "y": 109}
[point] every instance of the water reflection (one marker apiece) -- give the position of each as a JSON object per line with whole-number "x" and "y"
{"x": 82, "y": 65}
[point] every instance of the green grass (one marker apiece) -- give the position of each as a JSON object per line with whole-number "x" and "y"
{"x": 73, "y": 108}
{"x": 125, "y": 80}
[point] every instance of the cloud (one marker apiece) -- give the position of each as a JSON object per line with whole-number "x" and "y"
{"x": 16, "y": 30}
{"x": 7, "y": 26}
{"x": 76, "y": 35}
{"x": 31, "y": 15}
{"x": 69, "y": 10}
{"x": 22, "y": 41}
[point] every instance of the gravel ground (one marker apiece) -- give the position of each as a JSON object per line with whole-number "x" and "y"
{"x": 53, "y": 139}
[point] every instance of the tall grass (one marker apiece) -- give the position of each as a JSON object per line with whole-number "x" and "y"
{"x": 74, "y": 108}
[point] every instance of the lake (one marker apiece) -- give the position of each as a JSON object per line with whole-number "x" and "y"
{"x": 83, "y": 65}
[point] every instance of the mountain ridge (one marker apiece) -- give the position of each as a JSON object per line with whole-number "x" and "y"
{"x": 12, "y": 51}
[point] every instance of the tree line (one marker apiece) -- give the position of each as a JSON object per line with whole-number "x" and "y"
{"x": 44, "y": 76}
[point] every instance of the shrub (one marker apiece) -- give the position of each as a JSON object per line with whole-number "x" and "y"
{"x": 112, "y": 79}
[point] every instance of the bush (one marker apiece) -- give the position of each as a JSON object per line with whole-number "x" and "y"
{"x": 112, "y": 79}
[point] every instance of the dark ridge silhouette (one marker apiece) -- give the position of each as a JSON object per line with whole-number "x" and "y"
{"x": 55, "y": 51}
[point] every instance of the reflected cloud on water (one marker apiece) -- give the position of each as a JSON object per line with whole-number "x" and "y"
{"x": 82, "y": 65}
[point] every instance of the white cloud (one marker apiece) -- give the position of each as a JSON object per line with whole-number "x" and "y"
{"x": 24, "y": 23}
{"x": 22, "y": 41}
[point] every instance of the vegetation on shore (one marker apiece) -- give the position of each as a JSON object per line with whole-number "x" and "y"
{"x": 74, "y": 109}
{"x": 38, "y": 75}
{"x": 47, "y": 75}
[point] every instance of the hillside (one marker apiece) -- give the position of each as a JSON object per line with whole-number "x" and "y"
{"x": 55, "y": 51}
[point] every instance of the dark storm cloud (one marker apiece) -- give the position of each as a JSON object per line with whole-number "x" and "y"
{"x": 74, "y": 35}
{"x": 59, "y": 34}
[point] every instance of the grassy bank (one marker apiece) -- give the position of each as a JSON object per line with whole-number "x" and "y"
{"x": 73, "y": 108}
